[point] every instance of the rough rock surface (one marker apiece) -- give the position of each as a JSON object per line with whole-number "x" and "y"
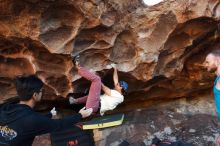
{"x": 158, "y": 49}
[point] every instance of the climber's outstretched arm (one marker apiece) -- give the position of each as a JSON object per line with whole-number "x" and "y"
{"x": 106, "y": 90}
{"x": 115, "y": 75}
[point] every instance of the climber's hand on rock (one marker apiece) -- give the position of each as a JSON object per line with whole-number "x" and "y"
{"x": 113, "y": 65}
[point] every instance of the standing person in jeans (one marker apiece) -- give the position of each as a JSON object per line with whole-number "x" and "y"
{"x": 19, "y": 123}
{"x": 109, "y": 100}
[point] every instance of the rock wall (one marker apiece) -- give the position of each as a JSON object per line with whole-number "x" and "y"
{"x": 157, "y": 49}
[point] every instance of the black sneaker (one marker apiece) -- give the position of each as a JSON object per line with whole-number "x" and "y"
{"x": 72, "y": 100}
{"x": 75, "y": 58}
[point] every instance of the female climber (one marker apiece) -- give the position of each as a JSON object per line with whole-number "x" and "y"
{"x": 106, "y": 102}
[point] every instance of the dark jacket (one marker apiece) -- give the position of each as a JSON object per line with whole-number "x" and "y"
{"x": 19, "y": 124}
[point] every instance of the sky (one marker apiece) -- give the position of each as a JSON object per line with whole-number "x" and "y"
{"x": 152, "y": 2}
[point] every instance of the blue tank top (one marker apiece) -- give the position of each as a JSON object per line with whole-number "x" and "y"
{"x": 217, "y": 96}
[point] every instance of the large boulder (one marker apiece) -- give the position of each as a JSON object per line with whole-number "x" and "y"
{"x": 158, "y": 50}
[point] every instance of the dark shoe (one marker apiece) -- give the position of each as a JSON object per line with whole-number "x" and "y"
{"x": 72, "y": 100}
{"x": 75, "y": 59}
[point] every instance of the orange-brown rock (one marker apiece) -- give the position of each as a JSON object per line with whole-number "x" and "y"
{"x": 157, "y": 49}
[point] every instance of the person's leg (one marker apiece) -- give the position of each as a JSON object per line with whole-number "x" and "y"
{"x": 81, "y": 100}
{"x": 93, "y": 98}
